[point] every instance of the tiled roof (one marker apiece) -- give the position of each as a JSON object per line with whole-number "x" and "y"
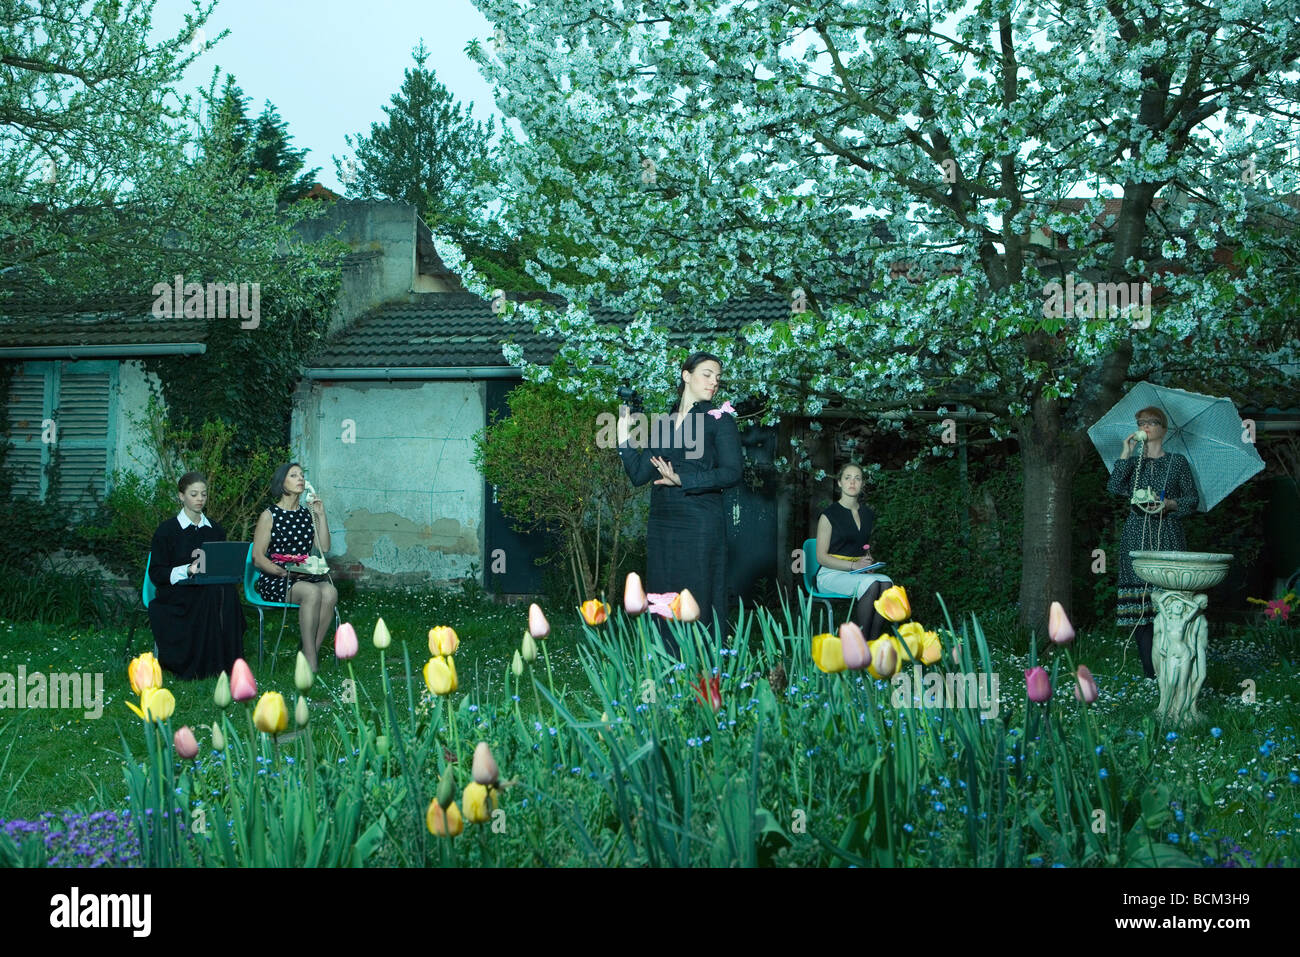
{"x": 459, "y": 329}
{"x": 42, "y": 321}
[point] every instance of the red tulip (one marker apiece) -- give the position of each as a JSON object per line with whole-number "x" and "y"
{"x": 186, "y": 744}
{"x": 1038, "y": 684}
{"x": 853, "y": 645}
{"x": 242, "y": 685}
{"x": 1085, "y": 687}
{"x": 1059, "y": 628}
{"x": 345, "y": 642}
{"x": 709, "y": 691}
{"x": 634, "y": 596}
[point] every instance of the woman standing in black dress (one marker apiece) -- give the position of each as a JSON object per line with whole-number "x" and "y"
{"x": 287, "y": 528}
{"x": 843, "y": 545}
{"x": 692, "y": 454}
{"x": 199, "y": 629}
{"x": 1167, "y": 479}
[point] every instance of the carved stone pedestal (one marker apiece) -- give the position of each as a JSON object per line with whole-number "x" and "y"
{"x": 1181, "y": 631}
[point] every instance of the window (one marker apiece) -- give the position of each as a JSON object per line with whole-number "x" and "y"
{"x": 61, "y": 430}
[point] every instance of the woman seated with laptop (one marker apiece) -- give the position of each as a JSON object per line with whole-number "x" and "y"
{"x": 844, "y": 550}
{"x": 199, "y": 628}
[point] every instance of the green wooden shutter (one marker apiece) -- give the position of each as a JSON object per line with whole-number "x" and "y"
{"x": 83, "y": 417}
{"x": 26, "y": 456}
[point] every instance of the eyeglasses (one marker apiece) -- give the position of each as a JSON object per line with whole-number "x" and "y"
{"x": 1150, "y": 422}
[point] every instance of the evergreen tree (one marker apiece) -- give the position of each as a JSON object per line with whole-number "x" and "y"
{"x": 262, "y": 147}
{"x": 430, "y": 153}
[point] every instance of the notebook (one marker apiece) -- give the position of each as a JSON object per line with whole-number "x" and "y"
{"x": 869, "y": 568}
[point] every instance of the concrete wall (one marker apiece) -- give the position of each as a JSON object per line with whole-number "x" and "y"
{"x": 133, "y": 386}
{"x": 391, "y": 461}
{"x": 382, "y": 265}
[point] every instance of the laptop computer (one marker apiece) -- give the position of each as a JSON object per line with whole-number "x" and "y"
{"x": 222, "y": 564}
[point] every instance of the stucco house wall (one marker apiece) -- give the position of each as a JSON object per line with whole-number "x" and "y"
{"x": 392, "y": 462}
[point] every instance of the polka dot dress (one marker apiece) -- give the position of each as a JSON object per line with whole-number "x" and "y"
{"x": 292, "y": 533}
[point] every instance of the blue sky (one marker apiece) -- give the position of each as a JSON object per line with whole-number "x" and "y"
{"x": 329, "y": 66}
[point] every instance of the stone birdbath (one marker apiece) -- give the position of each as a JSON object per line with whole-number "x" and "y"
{"x": 1181, "y": 631}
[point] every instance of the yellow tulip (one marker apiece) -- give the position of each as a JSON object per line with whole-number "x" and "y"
{"x": 381, "y": 637}
{"x": 479, "y": 801}
{"x": 271, "y": 714}
{"x": 893, "y": 604}
{"x": 144, "y": 672}
{"x": 884, "y": 657}
{"x": 443, "y": 641}
{"x": 438, "y": 677}
{"x": 451, "y": 666}
{"x": 594, "y": 612}
{"x": 447, "y": 823}
{"x": 156, "y": 704}
{"x": 912, "y": 634}
{"x": 931, "y": 648}
{"x": 830, "y": 654}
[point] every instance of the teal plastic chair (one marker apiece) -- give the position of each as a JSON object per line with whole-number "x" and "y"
{"x": 251, "y": 575}
{"x": 150, "y": 589}
{"x": 810, "y": 569}
{"x": 147, "y": 593}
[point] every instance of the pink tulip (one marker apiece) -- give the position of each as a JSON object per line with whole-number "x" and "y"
{"x": 1038, "y": 684}
{"x": 1085, "y": 688}
{"x": 688, "y": 608}
{"x": 186, "y": 745}
{"x": 634, "y": 596}
{"x": 661, "y": 604}
{"x": 538, "y": 626}
{"x": 242, "y": 685}
{"x": 345, "y": 642}
{"x": 484, "y": 767}
{"x": 853, "y": 645}
{"x": 1059, "y": 628}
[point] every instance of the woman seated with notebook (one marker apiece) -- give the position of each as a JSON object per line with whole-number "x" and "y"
{"x": 199, "y": 629}
{"x": 843, "y": 546}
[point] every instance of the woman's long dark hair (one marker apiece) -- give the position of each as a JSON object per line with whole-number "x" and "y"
{"x": 689, "y": 366}
{"x": 277, "y": 480}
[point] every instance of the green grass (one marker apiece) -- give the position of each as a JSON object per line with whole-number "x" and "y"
{"x": 67, "y": 757}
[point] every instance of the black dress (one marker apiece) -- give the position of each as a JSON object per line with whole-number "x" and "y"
{"x": 686, "y": 539}
{"x": 199, "y": 629}
{"x": 1172, "y": 474}
{"x": 292, "y": 533}
{"x": 847, "y": 540}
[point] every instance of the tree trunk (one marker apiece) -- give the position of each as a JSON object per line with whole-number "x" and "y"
{"x": 784, "y": 510}
{"x": 1049, "y": 460}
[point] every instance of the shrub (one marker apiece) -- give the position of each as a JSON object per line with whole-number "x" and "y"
{"x": 549, "y": 470}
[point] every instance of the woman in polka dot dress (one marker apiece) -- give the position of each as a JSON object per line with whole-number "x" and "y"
{"x": 286, "y": 528}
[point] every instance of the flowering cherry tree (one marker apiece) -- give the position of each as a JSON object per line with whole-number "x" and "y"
{"x": 913, "y": 177}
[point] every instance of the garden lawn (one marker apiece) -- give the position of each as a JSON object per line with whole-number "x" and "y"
{"x": 56, "y": 760}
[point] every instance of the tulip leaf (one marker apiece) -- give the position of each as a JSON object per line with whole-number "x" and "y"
{"x": 1142, "y": 851}
{"x": 1155, "y": 805}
